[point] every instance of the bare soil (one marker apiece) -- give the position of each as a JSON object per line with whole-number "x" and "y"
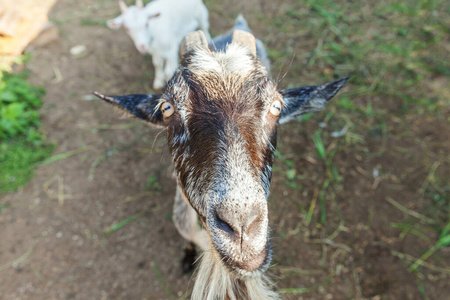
{"x": 52, "y": 235}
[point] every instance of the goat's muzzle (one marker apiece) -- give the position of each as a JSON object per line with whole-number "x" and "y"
{"x": 240, "y": 235}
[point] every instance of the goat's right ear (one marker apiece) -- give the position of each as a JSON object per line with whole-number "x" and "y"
{"x": 143, "y": 106}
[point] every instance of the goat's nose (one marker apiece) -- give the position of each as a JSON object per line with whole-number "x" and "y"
{"x": 142, "y": 47}
{"x": 244, "y": 224}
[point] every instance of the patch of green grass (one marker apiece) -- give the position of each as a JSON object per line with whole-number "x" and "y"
{"x": 386, "y": 57}
{"x": 393, "y": 54}
{"x": 17, "y": 162}
{"x": 19, "y": 102}
{"x": 21, "y": 143}
{"x": 389, "y": 115}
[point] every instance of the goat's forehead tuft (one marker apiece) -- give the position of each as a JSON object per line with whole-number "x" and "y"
{"x": 236, "y": 61}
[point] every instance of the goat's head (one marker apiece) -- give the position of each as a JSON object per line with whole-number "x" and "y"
{"x": 221, "y": 112}
{"x": 135, "y": 19}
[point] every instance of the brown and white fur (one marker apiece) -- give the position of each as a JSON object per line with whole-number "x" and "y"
{"x": 221, "y": 129}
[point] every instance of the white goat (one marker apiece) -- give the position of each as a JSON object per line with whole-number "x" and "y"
{"x": 221, "y": 112}
{"x": 158, "y": 29}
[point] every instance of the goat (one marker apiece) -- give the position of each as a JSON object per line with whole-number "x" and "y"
{"x": 158, "y": 29}
{"x": 221, "y": 112}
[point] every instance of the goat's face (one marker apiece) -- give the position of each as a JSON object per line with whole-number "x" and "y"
{"x": 221, "y": 112}
{"x": 136, "y": 21}
{"x": 222, "y": 136}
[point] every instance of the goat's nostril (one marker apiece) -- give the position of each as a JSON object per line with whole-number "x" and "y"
{"x": 254, "y": 228}
{"x": 223, "y": 225}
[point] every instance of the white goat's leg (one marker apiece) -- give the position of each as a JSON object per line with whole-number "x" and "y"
{"x": 186, "y": 222}
{"x": 171, "y": 62}
{"x": 158, "y": 64}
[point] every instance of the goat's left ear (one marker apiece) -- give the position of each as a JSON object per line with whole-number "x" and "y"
{"x": 299, "y": 101}
{"x": 143, "y": 106}
{"x": 115, "y": 23}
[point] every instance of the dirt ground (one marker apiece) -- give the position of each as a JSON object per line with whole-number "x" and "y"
{"x": 53, "y": 243}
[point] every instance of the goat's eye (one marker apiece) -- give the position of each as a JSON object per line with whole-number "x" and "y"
{"x": 275, "y": 108}
{"x": 167, "y": 109}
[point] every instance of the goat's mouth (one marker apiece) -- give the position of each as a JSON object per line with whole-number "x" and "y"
{"x": 251, "y": 266}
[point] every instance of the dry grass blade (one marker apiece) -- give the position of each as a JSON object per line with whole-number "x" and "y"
{"x": 59, "y": 194}
{"x": 408, "y": 211}
{"x": 306, "y": 289}
{"x": 21, "y": 259}
{"x": 121, "y": 224}
{"x": 63, "y": 155}
{"x": 297, "y": 271}
{"x": 161, "y": 280}
{"x": 410, "y": 258}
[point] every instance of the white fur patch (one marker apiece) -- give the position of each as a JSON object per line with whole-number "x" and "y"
{"x": 214, "y": 281}
{"x": 237, "y": 60}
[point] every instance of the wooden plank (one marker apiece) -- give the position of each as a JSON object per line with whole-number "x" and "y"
{"x": 28, "y": 18}
{"x": 9, "y": 19}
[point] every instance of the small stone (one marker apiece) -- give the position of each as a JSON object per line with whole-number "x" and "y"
{"x": 78, "y": 50}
